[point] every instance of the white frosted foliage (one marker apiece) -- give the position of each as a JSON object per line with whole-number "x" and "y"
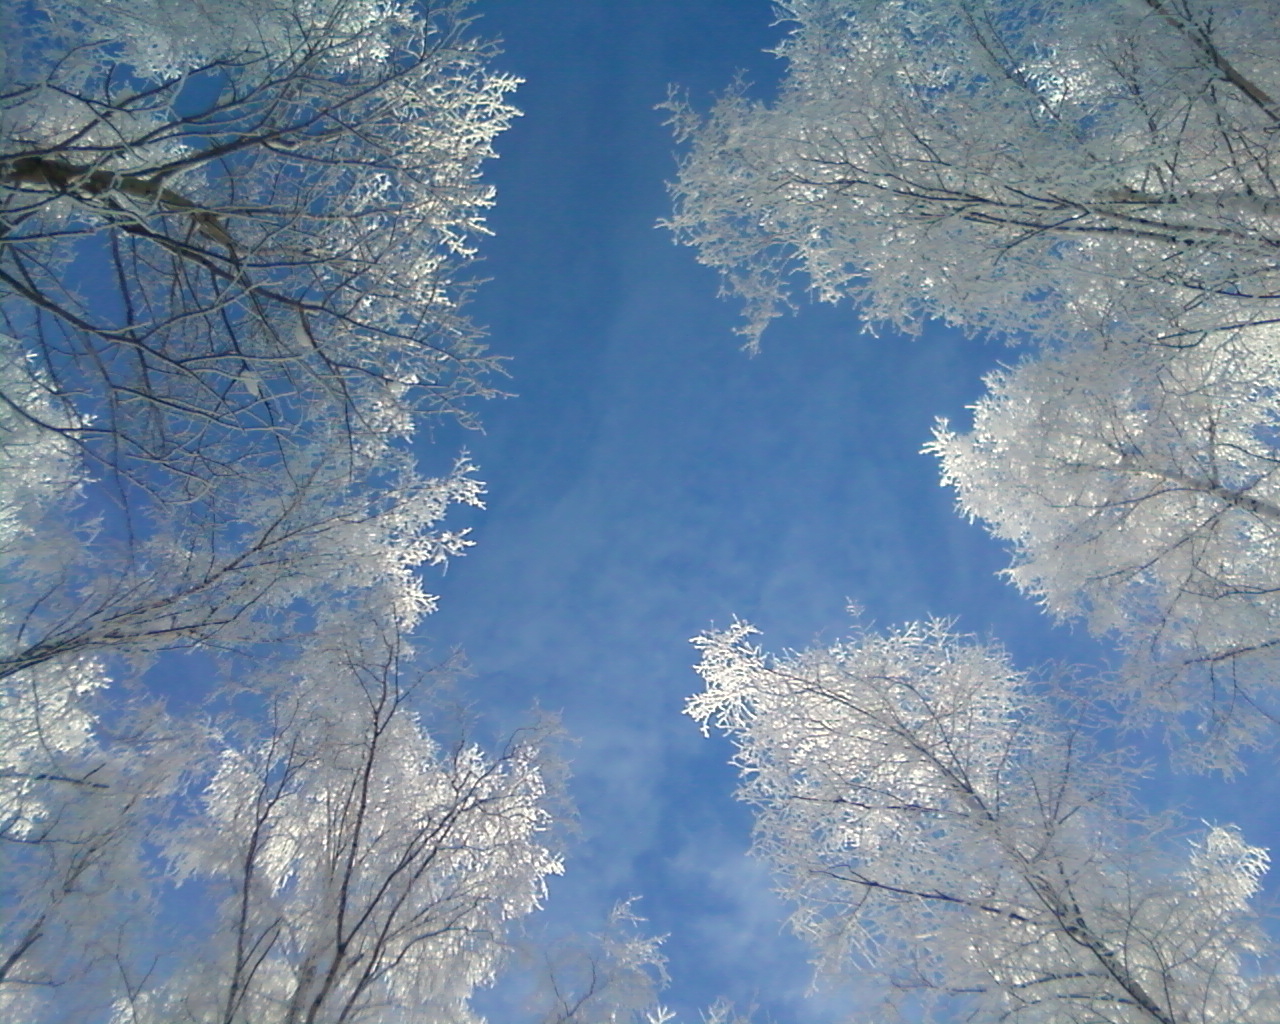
{"x": 238, "y": 228}
{"x": 1007, "y": 167}
{"x": 363, "y": 870}
{"x": 932, "y": 816}
{"x": 1139, "y": 490}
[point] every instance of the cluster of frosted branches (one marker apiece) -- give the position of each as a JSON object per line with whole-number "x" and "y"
{"x": 357, "y": 865}
{"x": 933, "y": 815}
{"x": 272, "y": 219}
{"x": 1096, "y": 179}
{"x": 251, "y": 567}
{"x": 1006, "y": 166}
{"x": 1139, "y": 489}
{"x": 228, "y": 288}
{"x": 613, "y": 977}
{"x": 230, "y": 242}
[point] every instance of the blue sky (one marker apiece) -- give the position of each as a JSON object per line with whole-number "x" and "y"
{"x": 649, "y": 480}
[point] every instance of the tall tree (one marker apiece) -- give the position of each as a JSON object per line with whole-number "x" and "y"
{"x": 405, "y": 859}
{"x": 230, "y": 250}
{"x": 931, "y": 814}
{"x": 1009, "y": 167}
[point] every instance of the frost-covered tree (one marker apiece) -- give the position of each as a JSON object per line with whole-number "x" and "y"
{"x": 92, "y": 775}
{"x": 931, "y": 815}
{"x": 225, "y": 223}
{"x": 350, "y": 867}
{"x": 363, "y": 866}
{"x": 1004, "y": 165}
{"x": 363, "y": 871}
{"x": 1097, "y": 177}
{"x": 231, "y": 236}
{"x": 1140, "y": 489}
